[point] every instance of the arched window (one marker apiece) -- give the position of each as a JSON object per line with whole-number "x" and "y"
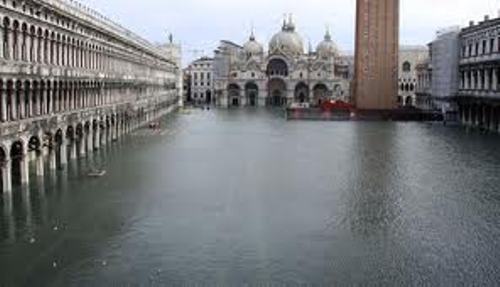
{"x": 406, "y": 66}
{"x": 277, "y": 67}
{"x": 24, "y": 44}
{"x": 15, "y": 41}
{"x": 5, "y": 38}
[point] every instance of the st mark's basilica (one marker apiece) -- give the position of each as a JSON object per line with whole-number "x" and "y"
{"x": 284, "y": 75}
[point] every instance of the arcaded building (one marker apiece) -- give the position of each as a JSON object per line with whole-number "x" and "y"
{"x": 285, "y": 74}
{"x": 377, "y": 46}
{"x": 72, "y": 81}
{"x": 479, "y": 72}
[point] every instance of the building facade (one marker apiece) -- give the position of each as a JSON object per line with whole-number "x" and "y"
{"x": 423, "y": 90}
{"x": 479, "y": 94}
{"x": 202, "y": 83}
{"x": 285, "y": 75}
{"x": 71, "y": 81}
{"x": 186, "y": 86}
{"x": 409, "y": 58}
{"x": 445, "y": 80}
{"x": 377, "y": 47}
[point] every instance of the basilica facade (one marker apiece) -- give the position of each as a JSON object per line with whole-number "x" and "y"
{"x": 282, "y": 76}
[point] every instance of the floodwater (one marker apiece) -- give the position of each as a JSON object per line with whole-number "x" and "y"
{"x": 245, "y": 198}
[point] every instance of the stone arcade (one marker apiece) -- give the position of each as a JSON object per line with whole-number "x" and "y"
{"x": 71, "y": 81}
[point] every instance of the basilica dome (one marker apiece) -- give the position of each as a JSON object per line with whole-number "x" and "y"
{"x": 327, "y": 47}
{"x": 287, "y": 41}
{"x": 252, "y": 47}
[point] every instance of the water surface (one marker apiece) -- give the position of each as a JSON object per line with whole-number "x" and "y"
{"x": 244, "y": 198}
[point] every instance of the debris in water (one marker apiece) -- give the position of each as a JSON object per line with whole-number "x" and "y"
{"x": 32, "y": 240}
{"x": 56, "y": 228}
{"x": 104, "y": 263}
{"x": 54, "y": 264}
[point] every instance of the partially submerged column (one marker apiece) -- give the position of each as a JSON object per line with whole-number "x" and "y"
{"x": 63, "y": 152}
{"x": 24, "y": 169}
{"x": 73, "y": 149}
{"x": 52, "y": 159}
{"x": 81, "y": 144}
{"x": 492, "y": 125}
{"x": 6, "y": 173}
{"x": 39, "y": 163}
{"x": 97, "y": 139}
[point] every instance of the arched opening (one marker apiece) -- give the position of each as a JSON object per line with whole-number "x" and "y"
{"x": 58, "y": 142}
{"x": 5, "y": 40}
{"x": 3, "y": 102}
{"x": 400, "y": 100}
{"x": 35, "y": 147}
{"x": 406, "y": 66}
{"x": 26, "y": 99}
{"x": 320, "y": 94}
{"x": 19, "y": 102}
{"x": 15, "y": 40}
{"x": 17, "y": 157}
{"x": 251, "y": 94}
{"x": 208, "y": 97}
{"x": 70, "y": 134}
{"x": 3, "y": 162}
{"x": 24, "y": 37}
{"x": 96, "y": 134}
{"x": 35, "y": 103}
{"x": 34, "y": 144}
{"x": 10, "y": 105}
{"x": 233, "y": 91}
{"x": 338, "y": 93}
{"x": 277, "y": 93}
{"x": 409, "y": 101}
{"x": 277, "y": 67}
{"x": 79, "y": 137}
{"x": 301, "y": 94}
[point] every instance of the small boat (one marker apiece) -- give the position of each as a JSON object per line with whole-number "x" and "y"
{"x": 97, "y": 173}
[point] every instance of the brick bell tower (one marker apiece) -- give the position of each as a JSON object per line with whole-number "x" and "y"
{"x": 376, "y": 54}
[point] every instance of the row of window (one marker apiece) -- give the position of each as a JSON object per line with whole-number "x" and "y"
{"x": 21, "y": 41}
{"x": 26, "y": 99}
{"x": 202, "y": 76}
{"x": 201, "y": 84}
{"x": 479, "y": 79}
{"x": 481, "y": 47}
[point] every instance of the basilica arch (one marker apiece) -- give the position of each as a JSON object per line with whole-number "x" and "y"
{"x": 301, "y": 94}
{"x": 277, "y": 91}
{"x": 233, "y": 91}
{"x": 277, "y": 67}
{"x": 320, "y": 93}
{"x": 252, "y": 94}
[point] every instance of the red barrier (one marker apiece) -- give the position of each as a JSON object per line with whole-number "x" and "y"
{"x": 331, "y": 106}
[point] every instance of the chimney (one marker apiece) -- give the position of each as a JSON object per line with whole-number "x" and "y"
{"x": 471, "y": 23}
{"x": 486, "y": 18}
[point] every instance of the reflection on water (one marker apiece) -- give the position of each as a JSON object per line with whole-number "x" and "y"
{"x": 230, "y": 198}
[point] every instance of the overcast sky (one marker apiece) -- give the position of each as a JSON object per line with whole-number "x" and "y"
{"x": 200, "y": 24}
